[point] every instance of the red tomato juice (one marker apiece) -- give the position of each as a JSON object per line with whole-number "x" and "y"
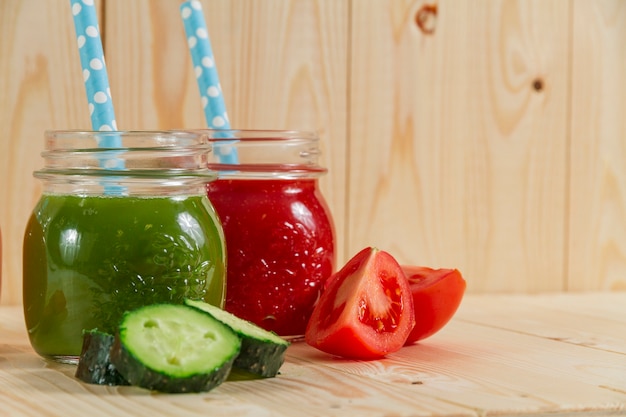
{"x": 280, "y": 249}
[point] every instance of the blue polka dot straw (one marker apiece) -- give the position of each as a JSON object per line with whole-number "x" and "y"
{"x": 206, "y": 74}
{"x": 96, "y": 78}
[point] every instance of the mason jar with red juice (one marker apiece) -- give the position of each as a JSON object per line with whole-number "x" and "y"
{"x": 280, "y": 238}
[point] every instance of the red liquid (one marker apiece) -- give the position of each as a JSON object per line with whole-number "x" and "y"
{"x": 280, "y": 246}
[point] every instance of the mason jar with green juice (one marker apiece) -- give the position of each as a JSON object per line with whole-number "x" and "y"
{"x": 116, "y": 228}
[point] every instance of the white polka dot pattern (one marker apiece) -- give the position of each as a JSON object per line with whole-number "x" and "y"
{"x": 93, "y": 65}
{"x": 206, "y": 71}
{"x": 95, "y": 77}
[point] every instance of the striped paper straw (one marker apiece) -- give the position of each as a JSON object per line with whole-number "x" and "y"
{"x": 206, "y": 74}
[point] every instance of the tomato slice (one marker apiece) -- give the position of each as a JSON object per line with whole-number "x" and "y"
{"x": 437, "y": 294}
{"x": 366, "y": 310}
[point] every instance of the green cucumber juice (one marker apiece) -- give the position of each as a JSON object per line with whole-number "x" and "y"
{"x": 88, "y": 259}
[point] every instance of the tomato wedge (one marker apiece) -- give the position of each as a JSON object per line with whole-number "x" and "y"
{"x": 437, "y": 294}
{"x": 366, "y": 310}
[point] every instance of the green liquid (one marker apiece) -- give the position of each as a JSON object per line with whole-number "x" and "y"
{"x": 87, "y": 260}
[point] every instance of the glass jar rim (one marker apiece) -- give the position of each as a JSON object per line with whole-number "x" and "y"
{"x": 163, "y": 138}
{"x": 258, "y": 134}
{"x": 194, "y": 132}
{"x": 265, "y": 153}
{"x": 150, "y": 154}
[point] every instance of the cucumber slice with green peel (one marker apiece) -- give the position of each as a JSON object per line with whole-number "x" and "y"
{"x": 262, "y": 352}
{"x": 174, "y": 348}
{"x": 94, "y": 364}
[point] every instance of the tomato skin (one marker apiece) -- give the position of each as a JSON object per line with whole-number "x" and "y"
{"x": 437, "y": 294}
{"x": 366, "y": 310}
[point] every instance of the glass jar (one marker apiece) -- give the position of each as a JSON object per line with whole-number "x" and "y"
{"x": 279, "y": 231}
{"x": 123, "y": 221}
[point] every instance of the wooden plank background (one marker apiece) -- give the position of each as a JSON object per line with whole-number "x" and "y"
{"x": 484, "y": 135}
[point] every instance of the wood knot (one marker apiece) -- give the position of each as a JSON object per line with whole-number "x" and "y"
{"x": 538, "y": 85}
{"x": 426, "y": 18}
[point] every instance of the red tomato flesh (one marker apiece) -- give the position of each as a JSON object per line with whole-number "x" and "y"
{"x": 437, "y": 294}
{"x": 366, "y": 310}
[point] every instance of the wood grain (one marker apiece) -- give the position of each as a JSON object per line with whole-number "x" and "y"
{"x": 597, "y": 240}
{"x": 489, "y": 139}
{"x": 41, "y": 88}
{"x": 520, "y": 355}
{"x": 455, "y": 159}
{"x": 556, "y": 317}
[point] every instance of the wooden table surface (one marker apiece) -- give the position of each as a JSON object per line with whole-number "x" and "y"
{"x": 505, "y": 355}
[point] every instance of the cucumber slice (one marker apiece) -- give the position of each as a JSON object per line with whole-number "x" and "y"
{"x": 94, "y": 365}
{"x": 174, "y": 348}
{"x": 262, "y": 352}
